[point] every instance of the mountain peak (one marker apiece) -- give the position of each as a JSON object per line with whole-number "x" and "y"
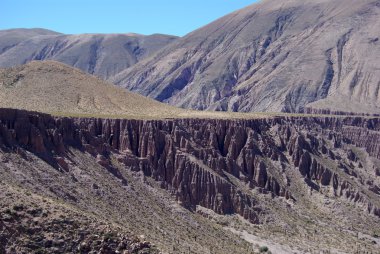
{"x": 270, "y": 56}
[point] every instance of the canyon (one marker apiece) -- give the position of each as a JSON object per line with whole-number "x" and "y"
{"x": 309, "y": 166}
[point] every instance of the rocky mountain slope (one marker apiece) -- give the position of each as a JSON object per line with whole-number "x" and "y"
{"x": 103, "y": 55}
{"x": 271, "y": 56}
{"x": 290, "y": 176}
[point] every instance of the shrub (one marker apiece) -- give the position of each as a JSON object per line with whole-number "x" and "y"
{"x": 263, "y": 249}
{"x": 18, "y": 208}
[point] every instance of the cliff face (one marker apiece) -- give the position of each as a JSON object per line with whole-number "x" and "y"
{"x": 218, "y": 164}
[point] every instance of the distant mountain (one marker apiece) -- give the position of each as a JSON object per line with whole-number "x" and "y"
{"x": 271, "y": 56}
{"x": 103, "y": 55}
{"x": 53, "y": 87}
{"x": 12, "y": 37}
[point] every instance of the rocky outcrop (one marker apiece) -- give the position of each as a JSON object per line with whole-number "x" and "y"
{"x": 212, "y": 163}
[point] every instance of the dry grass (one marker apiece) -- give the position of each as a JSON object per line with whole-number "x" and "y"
{"x": 52, "y": 87}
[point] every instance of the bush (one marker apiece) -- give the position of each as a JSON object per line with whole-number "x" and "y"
{"x": 109, "y": 236}
{"x": 263, "y": 249}
{"x": 18, "y": 208}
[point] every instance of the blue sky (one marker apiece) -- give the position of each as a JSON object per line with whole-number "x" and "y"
{"x": 176, "y": 17}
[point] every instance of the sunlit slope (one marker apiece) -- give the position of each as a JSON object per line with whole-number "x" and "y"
{"x": 54, "y": 87}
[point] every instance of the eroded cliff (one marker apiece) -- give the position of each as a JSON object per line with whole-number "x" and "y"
{"x": 218, "y": 164}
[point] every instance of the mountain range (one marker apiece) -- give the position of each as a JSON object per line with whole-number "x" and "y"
{"x": 271, "y": 56}
{"x": 282, "y": 56}
{"x": 103, "y": 55}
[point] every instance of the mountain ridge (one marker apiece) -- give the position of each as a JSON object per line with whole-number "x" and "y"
{"x": 103, "y": 55}
{"x": 270, "y": 56}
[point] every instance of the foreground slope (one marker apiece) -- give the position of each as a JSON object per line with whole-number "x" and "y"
{"x": 35, "y": 223}
{"x": 103, "y": 55}
{"x": 272, "y": 56}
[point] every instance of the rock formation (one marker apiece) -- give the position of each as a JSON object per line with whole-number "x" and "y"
{"x": 208, "y": 162}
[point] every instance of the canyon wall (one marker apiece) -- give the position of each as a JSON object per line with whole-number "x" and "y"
{"x": 217, "y": 164}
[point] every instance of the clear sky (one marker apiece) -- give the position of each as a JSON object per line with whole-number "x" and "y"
{"x": 176, "y": 17}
